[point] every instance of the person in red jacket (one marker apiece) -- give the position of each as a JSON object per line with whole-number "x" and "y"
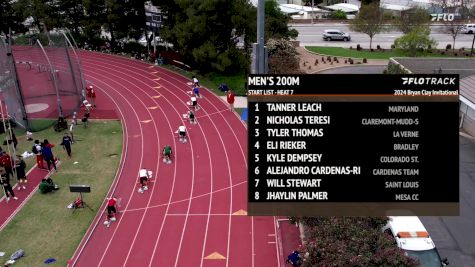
{"x": 230, "y": 99}
{"x": 91, "y": 95}
{"x": 111, "y": 210}
{"x": 6, "y": 162}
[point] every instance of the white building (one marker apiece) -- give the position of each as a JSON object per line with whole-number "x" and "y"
{"x": 302, "y": 12}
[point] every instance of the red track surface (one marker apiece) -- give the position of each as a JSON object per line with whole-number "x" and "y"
{"x": 187, "y": 213}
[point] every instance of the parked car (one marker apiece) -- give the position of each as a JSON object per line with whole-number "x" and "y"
{"x": 329, "y": 35}
{"x": 468, "y": 28}
{"x": 412, "y": 237}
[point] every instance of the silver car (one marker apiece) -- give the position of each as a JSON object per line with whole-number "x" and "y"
{"x": 329, "y": 35}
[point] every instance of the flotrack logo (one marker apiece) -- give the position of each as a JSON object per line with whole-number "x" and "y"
{"x": 443, "y": 17}
{"x": 428, "y": 81}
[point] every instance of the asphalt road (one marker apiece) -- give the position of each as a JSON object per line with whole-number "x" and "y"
{"x": 312, "y": 35}
{"x": 454, "y": 237}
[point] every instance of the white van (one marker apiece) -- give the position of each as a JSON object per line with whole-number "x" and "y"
{"x": 412, "y": 237}
{"x": 468, "y": 28}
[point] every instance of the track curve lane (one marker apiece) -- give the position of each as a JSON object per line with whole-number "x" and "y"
{"x": 172, "y": 221}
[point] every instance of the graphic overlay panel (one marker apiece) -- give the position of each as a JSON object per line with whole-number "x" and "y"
{"x": 353, "y": 145}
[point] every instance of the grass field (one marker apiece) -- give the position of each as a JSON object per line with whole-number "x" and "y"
{"x": 44, "y": 227}
{"x": 353, "y": 53}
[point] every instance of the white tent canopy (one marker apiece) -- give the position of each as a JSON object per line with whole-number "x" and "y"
{"x": 347, "y": 8}
{"x": 295, "y": 9}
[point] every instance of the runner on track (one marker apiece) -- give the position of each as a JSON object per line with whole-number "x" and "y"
{"x": 144, "y": 175}
{"x": 194, "y": 103}
{"x": 191, "y": 117}
{"x": 111, "y": 211}
{"x": 182, "y": 133}
{"x": 167, "y": 153}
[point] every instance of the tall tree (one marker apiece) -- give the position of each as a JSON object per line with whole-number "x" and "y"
{"x": 10, "y": 18}
{"x": 95, "y": 16}
{"x": 276, "y": 23}
{"x": 370, "y": 20}
{"x": 283, "y": 57}
{"x": 72, "y": 14}
{"x": 350, "y": 241}
{"x": 202, "y": 31}
{"x": 453, "y": 29}
{"x": 45, "y": 14}
{"x": 416, "y": 41}
{"x": 412, "y": 19}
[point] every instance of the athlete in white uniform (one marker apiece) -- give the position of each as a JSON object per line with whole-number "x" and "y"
{"x": 144, "y": 175}
{"x": 182, "y": 133}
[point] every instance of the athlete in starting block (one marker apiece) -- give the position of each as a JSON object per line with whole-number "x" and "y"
{"x": 182, "y": 133}
{"x": 167, "y": 154}
{"x": 111, "y": 211}
{"x": 191, "y": 117}
{"x": 194, "y": 103}
{"x": 196, "y": 91}
{"x": 144, "y": 175}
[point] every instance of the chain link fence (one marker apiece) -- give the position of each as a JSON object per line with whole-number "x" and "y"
{"x": 49, "y": 76}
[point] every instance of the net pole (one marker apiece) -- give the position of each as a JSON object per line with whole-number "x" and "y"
{"x": 17, "y": 88}
{"x": 53, "y": 75}
{"x": 75, "y": 46}
{"x": 71, "y": 69}
{"x": 9, "y": 149}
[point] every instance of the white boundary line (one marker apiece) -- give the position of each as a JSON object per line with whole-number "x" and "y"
{"x": 25, "y": 200}
{"x": 125, "y": 143}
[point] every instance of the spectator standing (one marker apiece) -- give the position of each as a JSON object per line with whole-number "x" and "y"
{"x": 66, "y": 143}
{"x": 7, "y": 188}
{"x": 36, "y": 149}
{"x": 20, "y": 167}
{"x": 48, "y": 156}
{"x": 15, "y": 140}
{"x": 71, "y": 130}
{"x": 85, "y": 119}
{"x": 6, "y": 162}
{"x": 91, "y": 95}
{"x": 230, "y": 99}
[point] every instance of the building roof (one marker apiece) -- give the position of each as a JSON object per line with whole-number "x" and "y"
{"x": 294, "y": 9}
{"x": 347, "y": 8}
{"x": 465, "y": 67}
{"x": 395, "y": 7}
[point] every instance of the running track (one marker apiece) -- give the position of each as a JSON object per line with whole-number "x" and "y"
{"x": 194, "y": 212}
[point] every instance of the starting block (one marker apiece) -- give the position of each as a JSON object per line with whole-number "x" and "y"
{"x": 185, "y": 116}
{"x": 190, "y": 92}
{"x": 188, "y": 103}
{"x": 189, "y": 83}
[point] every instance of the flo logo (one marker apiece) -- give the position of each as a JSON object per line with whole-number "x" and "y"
{"x": 443, "y": 17}
{"x": 428, "y": 80}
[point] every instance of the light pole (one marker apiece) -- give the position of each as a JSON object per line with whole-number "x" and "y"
{"x": 312, "y": 13}
{"x": 260, "y": 36}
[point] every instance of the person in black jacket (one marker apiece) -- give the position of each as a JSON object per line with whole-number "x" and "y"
{"x": 66, "y": 143}
{"x": 5, "y": 182}
{"x": 20, "y": 167}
